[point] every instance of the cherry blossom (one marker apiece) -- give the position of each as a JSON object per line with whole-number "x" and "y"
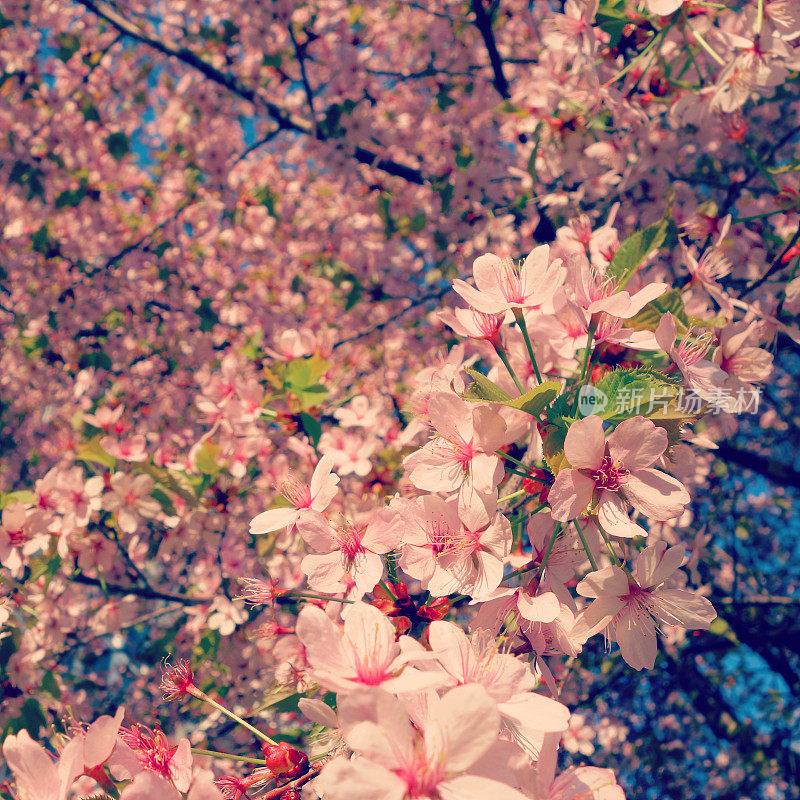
{"x": 632, "y": 604}
{"x": 504, "y": 286}
{"x": 616, "y": 470}
{"x": 362, "y": 653}
{"x": 317, "y": 496}
{"x": 395, "y": 761}
{"x": 351, "y": 551}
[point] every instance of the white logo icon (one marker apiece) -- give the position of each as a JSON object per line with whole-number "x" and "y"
{"x": 591, "y": 400}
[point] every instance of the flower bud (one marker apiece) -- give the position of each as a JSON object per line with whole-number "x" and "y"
{"x": 285, "y": 761}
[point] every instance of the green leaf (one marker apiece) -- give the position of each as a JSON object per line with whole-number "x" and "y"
{"x": 21, "y": 496}
{"x": 634, "y": 392}
{"x": 68, "y": 45}
{"x": 70, "y": 198}
{"x": 97, "y": 359}
{"x": 208, "y": 317}
{"x": 302, "y": 373}
{"x": 91, "y": 452}
{"x": 635, "y": 249}
{"x": 533, "y": 402}
{"x": 484, "y": 389}
{"x": 206, "y": 458}
{"x": 649, "y": 317}
{"x": 164, "y": 500}
{"x": 311, "y": 426}
{"x": 118, "y": 145}
{"x": 176, "y": 482}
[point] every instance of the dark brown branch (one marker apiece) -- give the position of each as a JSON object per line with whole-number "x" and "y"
{"x": 774, "y": 470}
{"x": 139, "y": 591}
{"x": 438, "y": 295}
{"x": 483, "y": 22}
{"x": 284, "y": 120}
{"x": 776, "y": 266}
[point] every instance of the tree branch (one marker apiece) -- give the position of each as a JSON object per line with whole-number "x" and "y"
{"x": 139, "y": 591}
{"x": 284, "y": 120}
{"x": 483, "y": 22}
{"x": 774, "y": 470}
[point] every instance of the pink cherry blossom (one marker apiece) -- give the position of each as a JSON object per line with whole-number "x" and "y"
{"x": 129, "y": 499}
{"x": 632, "y": 604}
{"x": 610, "y": 472}
{"x": 700, "y": 374}
{"x": 397, "y": 761}
{"x": 317, "y": 496}
{"x": 451, "y": 549}
{"x": 461, "y": 456}
{"x": 525, "y": 715}
{"x": 502, "y": 285}
{"x": 586, "y": 783}
{"x": 362, "y": 653}
{"x": 349, "y": 553}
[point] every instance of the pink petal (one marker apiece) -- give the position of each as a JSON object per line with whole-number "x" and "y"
{"x": 535, "y": 713}
{"x": 180, "y": 766}
{"x": 584, "y": 445}
{"x": 489, "y": 427}
{"x": 656, "y": 563}
{"x": 644, "y": 296}
{"x": 636, "y": 636}
{"x": 101, "y": 738}
{"x": 203, "y": 787}
{"x": 637, "y": 443}
{"x": 370, "y": 634}
{"x": 367, "y": 570}
{"x": 322, "y": 639}
{"x": 376, "y": 725}
{"x": 486, "y": 270}
{"x": 610, "y": 580}
{"x": 476, "y": 787}
{"x": 463, "y": 725}
{"x": 666, "y": 332}
{"x": 655, "y": 494}
{"x": 325, "y": 572}
{"x": 383, "y": 532}
{"x": 480, "y": 301}
{"x": 148, "y": 785}
{"x": 274, "y": 519}
{"x": 451, "y": 416}
{"x": 612, "y": 514}
{"x": 684, "y": 608}
{"x": 542, "y": 608}
{"x": 316, "y": 531}
{"x": 32, "y": 768}
{"x": 343, "y": 779}
{"x": 434, "y": 468}
{"x": 570, "y": 494}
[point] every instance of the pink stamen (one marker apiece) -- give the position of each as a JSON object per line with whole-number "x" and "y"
{"x": 609, "y": 476}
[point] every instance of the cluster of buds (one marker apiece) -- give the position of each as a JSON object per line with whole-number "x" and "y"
{"x": 394, "y": 601}
{"x": 536, "y": 483}
{"x": 284, "y": 761}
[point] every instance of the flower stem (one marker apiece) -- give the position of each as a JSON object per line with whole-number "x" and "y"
{"x": 307, "y": 596}
{"x": 504, "y": 358}
{"x": 614, "y": 556}
{"x": 235, "y": 717}
{"x": 524, "y": 329}
{"x": 512, "y": 459}
{"x": 512, "y": 496}
{"x": 549, "y": 550}
{"x": 200, "y": 752}
{"x": 585, "y": 546}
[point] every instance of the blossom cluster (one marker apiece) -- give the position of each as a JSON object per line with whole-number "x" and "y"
{"x": 434, "y": 542}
